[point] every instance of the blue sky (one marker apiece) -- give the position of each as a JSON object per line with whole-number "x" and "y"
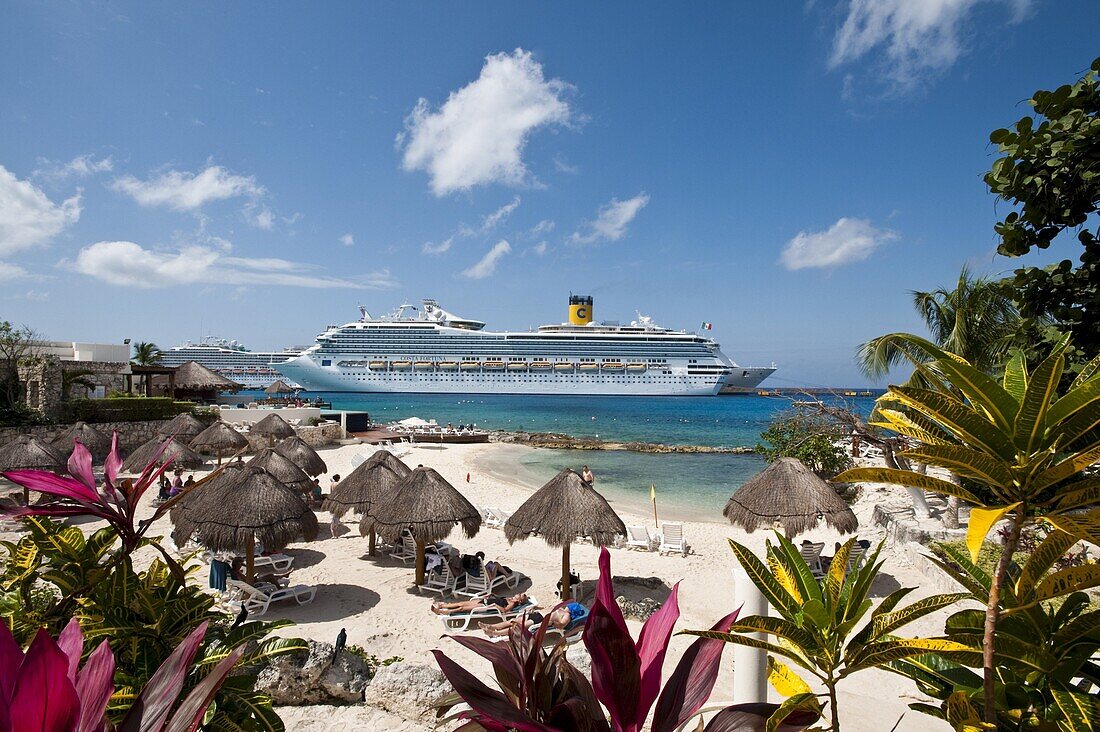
{"x": 787, "y": 171}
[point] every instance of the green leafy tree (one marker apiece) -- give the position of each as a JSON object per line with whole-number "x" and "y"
{"x": 816, "y": 624}
{"x": 1050, "y": 172}
{"x": 1042, "y": 646}
{"x": 1021, "y": 450}
{"x": 147, "y": 354}
{"x": 810, "y": 438}
{"x": 975, "y": 319}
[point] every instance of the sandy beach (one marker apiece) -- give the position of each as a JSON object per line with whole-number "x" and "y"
{"x": 373, "y": 598}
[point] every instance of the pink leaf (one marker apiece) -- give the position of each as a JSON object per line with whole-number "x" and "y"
{"x": 43, "y": 699}
{"x": 56, "y": 510}
{"x": 71, "y": 643}
{"x": 152, "y": 706}
{"x": 191, "y": 711}
{"x": 80, "y": 464}
{"x": 652, "y": 644}
{"x": 113, "y": 462}
{"x": 44, "y": 481}
{"x": 11, "y": 655}
{"x": 605, "y": 590}
{"x": 690, "y": 685}
{"x": 753, "y": 717}
{"x": 488, "y": 703}
{"x": 616, "y": 668}
{"x": 94, "y": 686}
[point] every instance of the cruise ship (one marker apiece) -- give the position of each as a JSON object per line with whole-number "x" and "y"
{"x": 428, "y": 349}
{"x": 251, "y": 369}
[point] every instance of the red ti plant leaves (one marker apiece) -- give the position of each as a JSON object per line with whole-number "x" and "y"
{"x": 690, "y": 685}
{"x": 616, "y": 667}
{"x": 652, "y": 644}
{"x": 191, "y": 711}
{"x": 495, "y": 712}
{"x": 151, "y": 708}
{"x": 71, "y": 643}
{"x": 94, "y": 686}
{"x": 43, "y": 699}
{"x": 753, "y": 717}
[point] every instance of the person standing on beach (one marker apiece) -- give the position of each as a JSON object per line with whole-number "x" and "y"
{"x": 587, "y": 476}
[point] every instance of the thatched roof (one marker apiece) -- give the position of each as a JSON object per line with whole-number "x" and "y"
{"x": 219, "y": 436}
{"x": 369, "y": 484}
{"x": 97, "y": 443}
{"x": 185, "y": 426}
{"x": 563, "y": 510}
{"x": 791, "y": 495}
{"x": 240, "y": 507}
{"x": 285, "y": 470}
{"x": 193, "y": 376}
{"x": 30, "y": 453}
{"x": 280, "y": 387}
{"x": 303, "y": 455}
{"x": 184, "y": 457}
{"x": 426, "y": 503}
{"x": 273, "y": 425}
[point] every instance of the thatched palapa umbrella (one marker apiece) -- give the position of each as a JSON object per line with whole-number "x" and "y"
{"x": 218, "y": 437}
{"x": 30, "y": 453}
{"x": 97, "y": 443}
{"x": 195, "y": 380}
{"x": 235, "y": 510}
{"x": 285, "y": 470}
{"x": 185, "y": 426}
{"x": 374, "y": 481}
{"x": 429, "y": 506}
{"x": 790, "y": 495}
{"x": 303, "y": 455}
{"x": 275, "y": 427}
{"x": 563, "y": 510}
{"x": 181, "y": 455}
{"x": 279, "y": 387}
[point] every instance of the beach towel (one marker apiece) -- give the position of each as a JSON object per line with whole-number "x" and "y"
{"x": 219, "y": 572}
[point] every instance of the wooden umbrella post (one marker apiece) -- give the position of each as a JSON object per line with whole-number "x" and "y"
{"x": 370, "y": 543}
{"x": 250, "y": 562}
{"x": 419, "y": 562}
{"x": 219, "y": 456}
{"x": 565, "y": 569}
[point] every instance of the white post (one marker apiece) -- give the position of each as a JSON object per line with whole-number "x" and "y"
{"x": 750, "y": 665}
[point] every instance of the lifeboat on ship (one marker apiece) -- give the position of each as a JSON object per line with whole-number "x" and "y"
{"x": 494, "y": 365}
{"x": 588, "y": 366}
{"x": 541, "y": 366}
{"x": 424, "y": 365}
{"x": 612, "y": 366}
{"x": 402, "y": 365}
{"x": 448, "y": 365}
{"x": 563, "y": 367}
{"x": 378, "y": 365}
{"x": 516, "y": 366}
{"x": 470, "y": 365}
{"x": 636, "y": 367}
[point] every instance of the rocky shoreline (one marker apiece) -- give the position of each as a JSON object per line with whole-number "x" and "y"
{"x": 563, "y": 441}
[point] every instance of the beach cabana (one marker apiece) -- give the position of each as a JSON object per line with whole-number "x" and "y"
{"x": 429, "y": 506}
{"x": 241, "y": 506}
{"x": 97, "y": 443}
{"x": 184, "y": 426}
{"x": 303, "y": 455}
{"x": 374, "y": 481}
{"x": 181, "y": 455}
{"x": 274, "y": 426}
{"x": 196, "y": 382}
{"x": 218, "y": 438}
{"x": 285, "y": 470}
{"x": 563, "y": 510}
{"x": 790, "y": 496}
{"x": 279, "y": 387}
{"x": 30, "y": 453}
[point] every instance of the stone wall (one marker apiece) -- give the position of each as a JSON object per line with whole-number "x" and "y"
{"x": 41, "y": 379}
{"x": 109, "y": 375}
{"x": 130, "y": 434}
{"x": 323, "y": 434}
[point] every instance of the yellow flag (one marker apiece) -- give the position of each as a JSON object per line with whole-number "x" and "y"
{"x": 652, "y": 492}
{"x": 981, "y": 521}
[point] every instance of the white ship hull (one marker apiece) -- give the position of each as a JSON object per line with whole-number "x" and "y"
{"x": 313, "y": 377}
{"x": 744, "y": 379}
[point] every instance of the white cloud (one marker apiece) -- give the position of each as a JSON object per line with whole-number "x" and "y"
{"x": 11, "y": 272}
{"x": 185, "y": 191}
{"x": 477, "y": 136}
{"x": 443, "y": 246}
{"x": 347, "y": 240}
{"x": 81, "y": 166}
{"x": 916, "y": 36}
{"x": 261, "y": 217}
{"x": 845, "y": 242}
{"x": 501, "y": 214}
{"x": 28, "y": 218}
{"x": 543, "y": 227}
{"x": 128, "y": 264}
{"x": 562, "y": 166}
{"x": 488, "y": 264}
{"x": 611, "y": 220}
{"x": 539, "y": 249}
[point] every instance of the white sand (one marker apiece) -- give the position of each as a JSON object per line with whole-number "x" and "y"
{"x": 374, "y": 600}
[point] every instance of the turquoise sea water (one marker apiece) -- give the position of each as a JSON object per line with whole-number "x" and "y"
{"x": 689, "y": 486}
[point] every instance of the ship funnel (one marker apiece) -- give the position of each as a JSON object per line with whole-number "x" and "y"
{"x": 580, "y": 309}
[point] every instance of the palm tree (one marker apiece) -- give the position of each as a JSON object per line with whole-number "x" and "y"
{"x": 147, "y": 353}
{"x": 976, "y": 320}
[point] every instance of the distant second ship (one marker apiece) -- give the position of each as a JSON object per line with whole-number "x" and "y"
{"x": 428, "y": 349}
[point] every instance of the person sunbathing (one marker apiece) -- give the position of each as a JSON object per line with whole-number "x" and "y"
{"x": 559, "y": 619}
{"x": 505, "y": 604}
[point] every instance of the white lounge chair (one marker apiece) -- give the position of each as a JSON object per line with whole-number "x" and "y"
{"x": 637, "y": 537}
{"x": 483, "y": 585}
{"x": 497, "y": 518}
{"x": 404, "y": 550}
{"x": 279, "y": 563}
{"x": 444, "y": 581}
{"x": 489, "y": 614}
{"x": 258, "y": 599}
{"x": 811, "y": 553}
{"x": 672, "y": 539}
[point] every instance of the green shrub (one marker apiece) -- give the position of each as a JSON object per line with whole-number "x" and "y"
{"x": 124, "y": 409}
